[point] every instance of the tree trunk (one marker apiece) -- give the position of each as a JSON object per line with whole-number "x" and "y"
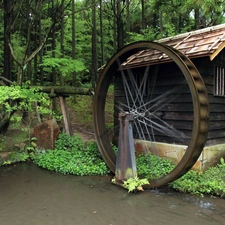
{"x": 94, "y": 46}
{"x": 143, "y": 14}
{"x": 53, "y": 79}
{"x": 101, "y": 35}
{"x": 73, "y": 40}
{"x": 120, "y": 38}
{"x": 114, "y": 27}
{"x": 62, "y": 45}
{"x": 128, "y": 20}
{"x": 28, "y": 73}
{"x": 41, "y": 57}
{"x": 197, "y": 19}
{"x": 7, "y": 55}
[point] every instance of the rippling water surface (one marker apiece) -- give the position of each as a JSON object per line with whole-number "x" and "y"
{"x": 30, "y": 195}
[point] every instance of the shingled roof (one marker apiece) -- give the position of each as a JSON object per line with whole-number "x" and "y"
{"x": 200, "y": 43}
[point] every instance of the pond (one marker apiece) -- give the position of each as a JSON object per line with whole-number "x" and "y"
{"x": 30, "y": 195}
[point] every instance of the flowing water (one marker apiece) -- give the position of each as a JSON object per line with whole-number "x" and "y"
{"x": 30, "y": 195}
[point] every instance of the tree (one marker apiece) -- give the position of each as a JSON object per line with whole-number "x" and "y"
{"x": 23, "y": 25}
{"x": 94, "y": 46}
{"x": 7, "y": 58}
{"x": 42, "y": 31}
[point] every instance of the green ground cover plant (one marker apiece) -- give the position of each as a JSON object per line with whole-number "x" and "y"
{"x": 211, "y": 182}
{"x": 72, "y": 156}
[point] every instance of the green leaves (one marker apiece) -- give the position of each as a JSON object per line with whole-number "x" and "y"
{"x": 211, "y": 182}
{"x": 133, "y": 184}
{"x": 16, "y": 98}
{"x": 16, "y": 157}
{"x": 145, "y": 165}
{"x": 72, "y": 157}
{"x": 66, "y": 66}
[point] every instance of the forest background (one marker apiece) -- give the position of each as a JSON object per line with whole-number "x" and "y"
{"x": 64, "y": 42}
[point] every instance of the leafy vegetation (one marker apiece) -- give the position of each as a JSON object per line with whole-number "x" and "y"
{"x": 59, "y": 36}
{"x": 22, "y": 100}
{"x": 15, "y": 157}
{"x": 145, "y": 166}
{"x": 211, "y": 182}
{"x": 21, "y": 155}
{"x": 71, "y": 156}
{"x": 83, "y": 109}
{"x": 133, "y": 184}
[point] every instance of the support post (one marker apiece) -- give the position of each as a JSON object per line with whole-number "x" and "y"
{"x": 125, "y": 162}
{"x": 65, "y": 114}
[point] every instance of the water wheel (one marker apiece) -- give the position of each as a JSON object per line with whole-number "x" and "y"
{"x": 169, "y": 104}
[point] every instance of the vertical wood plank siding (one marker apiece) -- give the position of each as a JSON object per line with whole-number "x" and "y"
{"x": 179, "y": 113}
{"x": 206, "y": 68}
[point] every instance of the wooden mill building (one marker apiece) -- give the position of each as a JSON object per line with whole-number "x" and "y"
{"x": 206, "y": 49}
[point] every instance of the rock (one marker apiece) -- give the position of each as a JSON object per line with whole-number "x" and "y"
{"x": 46, "y": 134}
{"x": 4, "y": 155}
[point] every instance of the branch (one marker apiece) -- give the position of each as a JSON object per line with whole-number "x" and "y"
{"x": 40, "y": 46}
{"x": 19, "y": 11}
{"x": 6, "y": 80}
{"x": 13, "y": 55}
{"x": 47, "y": 34}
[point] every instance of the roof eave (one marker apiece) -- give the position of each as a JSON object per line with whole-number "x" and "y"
{"x": 217, "y": 51}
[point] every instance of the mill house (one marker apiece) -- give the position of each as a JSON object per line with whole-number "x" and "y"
{"x": 206, "y": 49}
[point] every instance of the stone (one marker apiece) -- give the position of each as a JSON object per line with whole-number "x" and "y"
{"x": 46, "y": 134}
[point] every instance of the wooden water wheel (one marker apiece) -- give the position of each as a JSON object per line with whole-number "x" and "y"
{"x": 169, "y": 104}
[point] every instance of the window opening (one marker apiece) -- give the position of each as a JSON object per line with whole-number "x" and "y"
{"x": 219, "y": 86}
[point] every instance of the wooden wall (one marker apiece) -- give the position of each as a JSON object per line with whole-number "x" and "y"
{"x": 206, "y": 68}
{"x": 177, "y": 113}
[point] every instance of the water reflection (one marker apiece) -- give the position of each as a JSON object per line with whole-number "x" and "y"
{"x": 30, "y": 195}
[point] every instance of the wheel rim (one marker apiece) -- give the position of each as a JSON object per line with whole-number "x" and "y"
{"x": 150, "y": 104}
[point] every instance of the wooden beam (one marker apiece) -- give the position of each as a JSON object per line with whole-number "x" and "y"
{"x": 66, "y": 90}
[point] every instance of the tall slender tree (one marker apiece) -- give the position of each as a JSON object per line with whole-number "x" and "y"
{"x": 73, "y": 29}
{"x": 94, "y": 46}
{"x": 7, "y": 55}
{"x": 101, "y": 33}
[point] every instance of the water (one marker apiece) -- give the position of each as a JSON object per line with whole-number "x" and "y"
{"x": 30, "y": 195}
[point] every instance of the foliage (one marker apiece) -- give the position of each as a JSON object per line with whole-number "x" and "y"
{"x": 16, "y": 157}
{"x": 211, "y": 182}
{"x": 152, "y": 166}
{"x": 22, "y": 155}
{"x": 133, "y": 184}
{"x": 21, "y": 99}
{"x": 71, "y": 156}
{"x": 2, "y": 143}
{"x": 65, "y": 66}
{"x": 83, "y": 109}
{"x": 34, "y": 18}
